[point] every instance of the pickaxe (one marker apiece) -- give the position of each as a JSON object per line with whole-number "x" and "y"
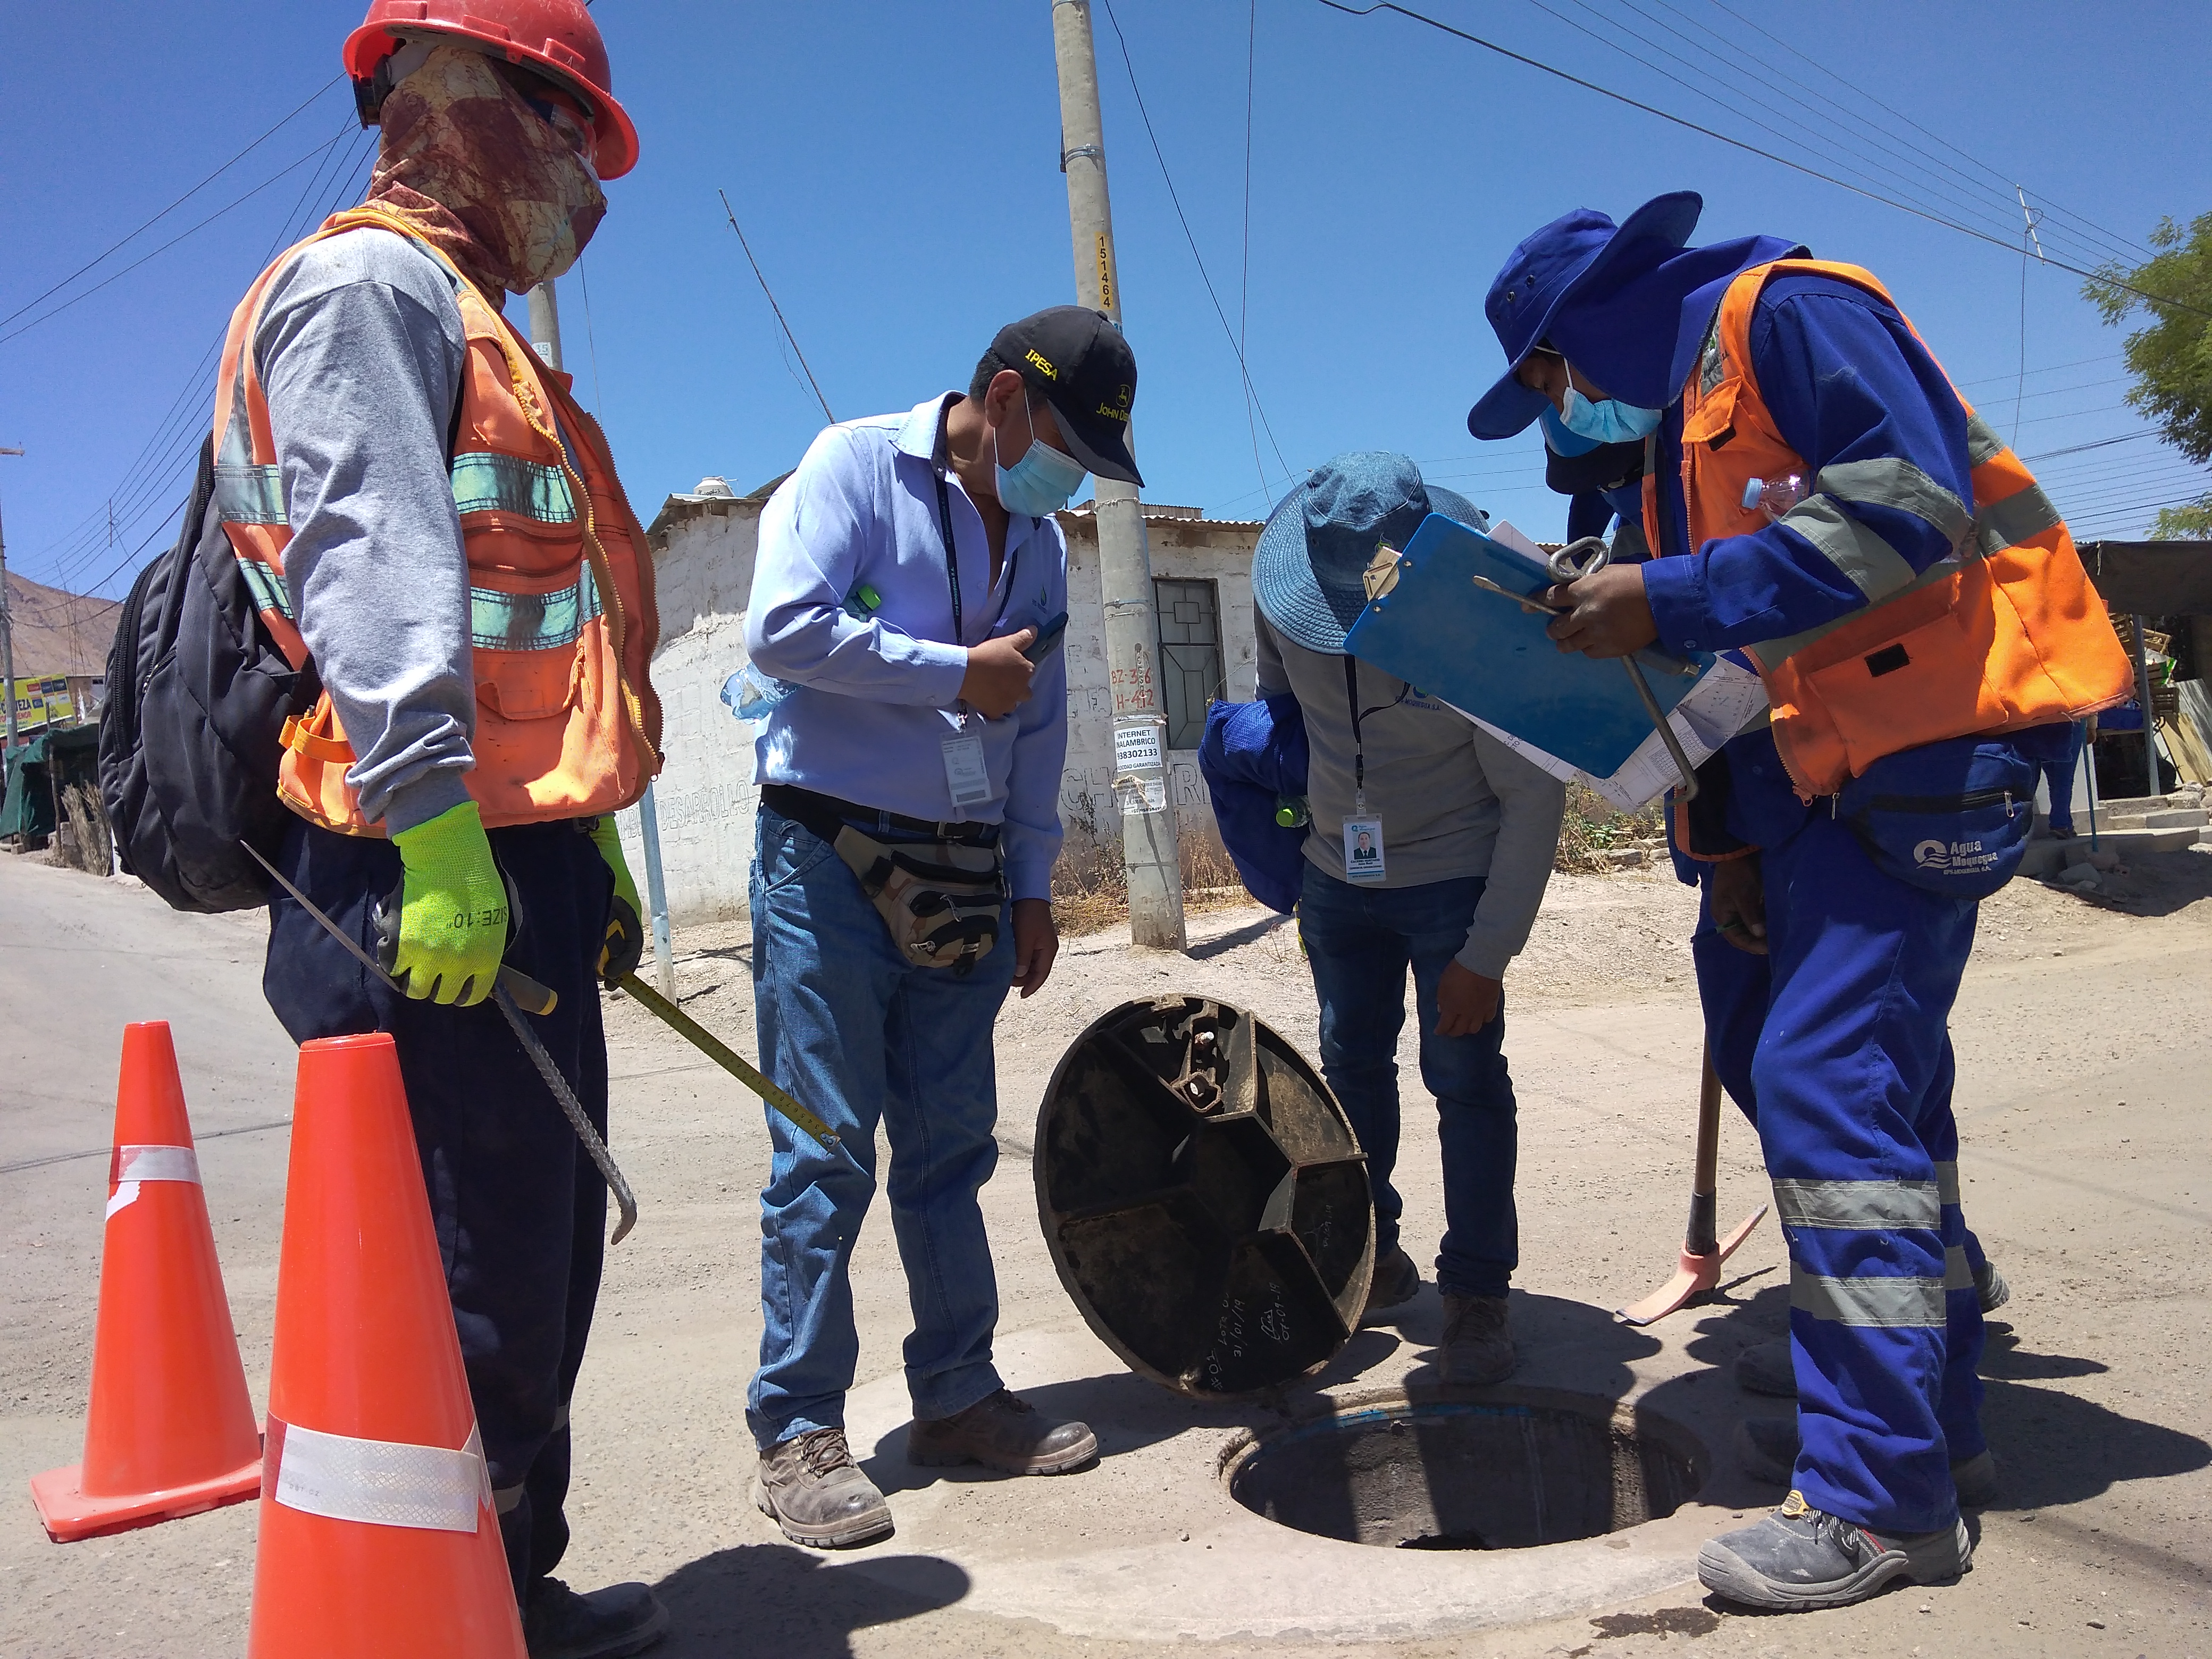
{"x": 1700, "y": 1267}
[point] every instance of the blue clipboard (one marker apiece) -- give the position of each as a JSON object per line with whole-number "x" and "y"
{"x": 1484, "y": 654}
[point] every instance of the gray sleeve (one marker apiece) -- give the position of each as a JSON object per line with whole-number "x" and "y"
{"x": 1530, "y": 802}
{"x": 361, "y": 350}
{"x": 1270, "y": 677}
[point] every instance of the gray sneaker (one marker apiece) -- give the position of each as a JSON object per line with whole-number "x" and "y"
{"x": 1001, "y": 1431}
{"x": 817, "y": 1494}
{"x": 1478, "y": 1344}
{"x": 1396, "y": 1282}
{"x": 1766, "y": 1368}
{"x": 1799, "y": 1558}
{"x": 1766, "y": 1450}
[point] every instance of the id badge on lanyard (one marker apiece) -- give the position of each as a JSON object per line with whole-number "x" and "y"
{"x": 1363, "y": 856}
{"x": 967, "y": 773}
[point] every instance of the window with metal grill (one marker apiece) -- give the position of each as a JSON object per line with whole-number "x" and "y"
{"x": 1190, "y": 614}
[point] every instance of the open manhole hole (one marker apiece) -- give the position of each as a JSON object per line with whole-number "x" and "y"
{"x": 1468, "y": 1476}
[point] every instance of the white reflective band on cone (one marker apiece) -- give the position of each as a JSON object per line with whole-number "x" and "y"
{"x": 379, "y": 1483}
{"x": 157, "y": 1164}
{"x": 133, "y": 1164}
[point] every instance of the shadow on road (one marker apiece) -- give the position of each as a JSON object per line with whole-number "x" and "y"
{"x": 774, "y": 1598}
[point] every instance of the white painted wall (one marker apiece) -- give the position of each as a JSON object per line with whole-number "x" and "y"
{"x": 703, "y": 551}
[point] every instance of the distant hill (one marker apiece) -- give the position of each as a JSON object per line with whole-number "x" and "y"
{"x": 59, "y": 633}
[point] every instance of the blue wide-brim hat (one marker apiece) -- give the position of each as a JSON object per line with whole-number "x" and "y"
{"x": 1571, "y": 253}
{"x": 1308, "y": 570}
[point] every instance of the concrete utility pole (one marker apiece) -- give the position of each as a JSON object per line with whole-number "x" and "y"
{"x": 545, "y": 323}
{"x": 1149, "y": 849}
{"x": 7, "y": 636}
{"x": 545, "y": 341}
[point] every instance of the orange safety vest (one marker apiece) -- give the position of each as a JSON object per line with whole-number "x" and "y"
{"x": 2006, "y": 632}
{"x": 561, "y": 622}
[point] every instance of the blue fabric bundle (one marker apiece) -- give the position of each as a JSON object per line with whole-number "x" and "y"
{"x": 1253, "y": 755}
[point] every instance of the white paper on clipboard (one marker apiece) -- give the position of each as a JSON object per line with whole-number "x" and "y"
{"x": 1723, "y": 703}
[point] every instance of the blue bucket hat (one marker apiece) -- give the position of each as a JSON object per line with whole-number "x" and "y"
{"x": 1308, "y": 571}
{"x": 1544, "y": 271}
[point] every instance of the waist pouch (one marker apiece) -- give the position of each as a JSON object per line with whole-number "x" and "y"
{"x": 942, "y": 900}
{"x": 1951, "y": 818}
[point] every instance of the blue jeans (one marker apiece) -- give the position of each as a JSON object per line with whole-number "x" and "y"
{"x": 859, "y": 1036}
{"x": 1360, "y": 941}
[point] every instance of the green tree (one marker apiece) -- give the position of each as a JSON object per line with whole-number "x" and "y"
{"x": 2170, "y": 356}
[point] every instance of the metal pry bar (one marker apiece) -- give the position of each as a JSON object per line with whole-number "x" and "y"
{"x": 1587, "y": 557}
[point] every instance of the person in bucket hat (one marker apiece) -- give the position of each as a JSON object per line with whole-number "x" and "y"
{"x": 1817, "y": 496}
{"x": 1429, "y": 849}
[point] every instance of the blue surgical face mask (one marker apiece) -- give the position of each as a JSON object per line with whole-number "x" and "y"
{"x": 1044, "y": 481}
{"x": 1610, "y": 421}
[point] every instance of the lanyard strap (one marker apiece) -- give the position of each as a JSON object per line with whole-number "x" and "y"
{"x": 1359, "y": 744}
{"x": 953, "y": 563}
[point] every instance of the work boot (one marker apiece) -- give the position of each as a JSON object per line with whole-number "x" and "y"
{"x": 1395, "y": 1283}
{"x": 1766, "y": 1368}
{"x": 1001, "y": 1431}
{"x": 1991, "y": 1288}
{"x": 817, "y": 1494}
{"x": 1799, "y": 1558}
{"x": 608, "y": 1624}
{"x": 1478, "y": 1344}
{"x": 1766, "y": 1450}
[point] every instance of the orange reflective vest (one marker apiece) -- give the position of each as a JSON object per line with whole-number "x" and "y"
{"x": 2006, "y": 632}
{"x": 561, "y": 623}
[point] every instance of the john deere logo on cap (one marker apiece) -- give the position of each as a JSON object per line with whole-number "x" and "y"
{"x": 1050, "y": 372}
{"x": 1119, "y": 409}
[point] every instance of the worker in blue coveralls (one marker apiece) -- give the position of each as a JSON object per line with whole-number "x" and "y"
{"x": 1604, "y": 483}
{"x": 1856, "y": 830}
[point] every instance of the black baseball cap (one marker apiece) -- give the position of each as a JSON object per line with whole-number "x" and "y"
{"x": 1078, "y": 361}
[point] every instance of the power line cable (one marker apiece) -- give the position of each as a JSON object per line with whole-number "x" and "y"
{"x": 48, "y": 315}
{"x": 1733, "y": 94}
{"x": 114, "y": 247}
{"x": 1160, "y": 155}
{"x": 2123, "y": 244}
{"x": 776, "y": 308}
{"x": 1735, "y": 55}
{"x": 2100, "y": 277}
{"x": 2096, "y": 443}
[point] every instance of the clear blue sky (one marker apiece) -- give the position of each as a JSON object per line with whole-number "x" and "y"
{"x": 895, "y": 168}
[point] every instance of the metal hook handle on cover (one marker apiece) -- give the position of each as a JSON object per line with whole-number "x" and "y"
{"x": 1586, "y": 557}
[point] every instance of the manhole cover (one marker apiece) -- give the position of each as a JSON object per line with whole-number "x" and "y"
{"x": 1204, "y": 1198}
{"x": 1468, "y": 1475}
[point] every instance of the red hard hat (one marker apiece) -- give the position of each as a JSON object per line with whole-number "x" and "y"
{"x": 555, "y": 36}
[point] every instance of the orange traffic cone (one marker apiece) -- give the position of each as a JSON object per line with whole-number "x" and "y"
{"x": 170, "y": 1431}
{"x": 377, "y": 1532}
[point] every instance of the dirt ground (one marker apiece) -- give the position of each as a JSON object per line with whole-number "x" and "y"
{"x": 2085, "y": 1097}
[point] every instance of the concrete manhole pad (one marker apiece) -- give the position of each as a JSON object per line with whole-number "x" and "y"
{"x": 1487, "y": 1474}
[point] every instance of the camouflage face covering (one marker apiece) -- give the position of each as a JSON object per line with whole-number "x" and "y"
{"x": 481, "y": 173}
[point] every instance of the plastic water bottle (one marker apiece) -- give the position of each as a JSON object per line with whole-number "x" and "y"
{"x": 1774, "y": 497}
{"x": 1293, "y": 813}
{"x": 749, "y": 694}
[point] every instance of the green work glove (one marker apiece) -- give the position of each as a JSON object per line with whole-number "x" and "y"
{"x": 452, "y": 910}
{"x": 624, "y": 945}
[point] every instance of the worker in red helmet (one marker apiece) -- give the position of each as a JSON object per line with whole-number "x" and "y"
{"x": 436, "y": 537}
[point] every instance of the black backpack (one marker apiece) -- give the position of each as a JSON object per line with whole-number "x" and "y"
{"x": 189, "y": 739}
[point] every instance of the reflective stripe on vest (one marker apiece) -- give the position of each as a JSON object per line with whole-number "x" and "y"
{"x": 561, "y": 615}
{"x": 2003, "y": 632}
